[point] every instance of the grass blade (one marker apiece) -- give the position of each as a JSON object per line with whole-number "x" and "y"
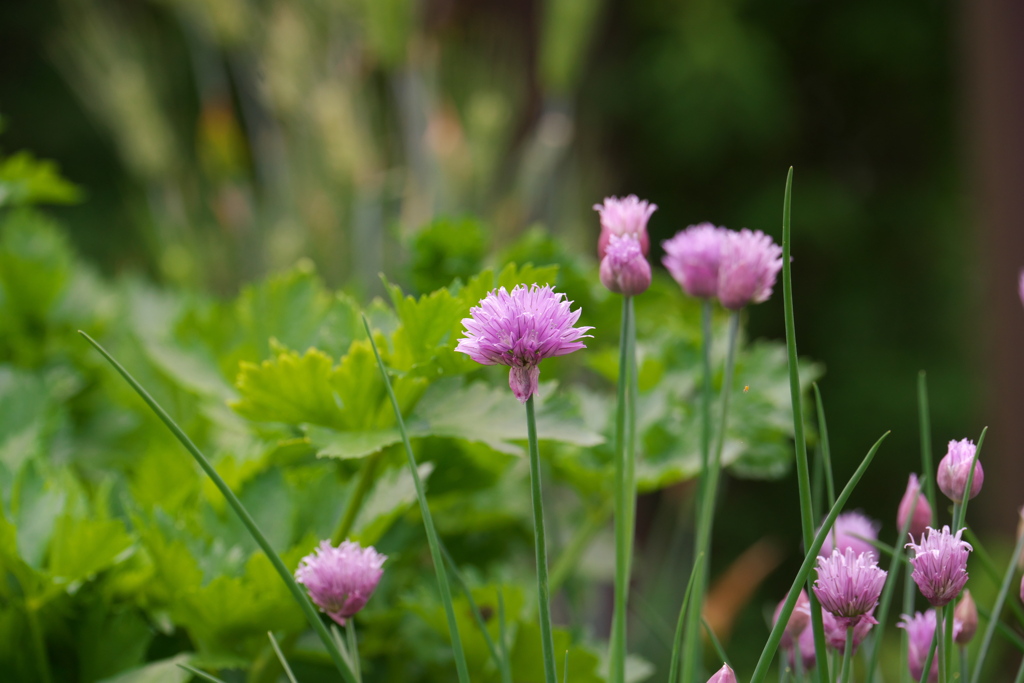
{"x": 925, "y": 427}
{"x": 300, "y": 595}
{"x": 677, "y": 642}
{"x": 202, "y": 674}
{"x": 428, "y": 520}
{"x": 280, "y": 658}
{"x": 997, "y": 608}
{"x": 716, "y": 642}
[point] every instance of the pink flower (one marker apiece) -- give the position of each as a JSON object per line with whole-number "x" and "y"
{"x": 965, "y": 618}
{"x": 520, "y": 329}
{"x": 955, "y": 468}
{"x": 750, "y": 263}
{"x": 627, "y": 216}
{"x": 624, "y": 270}
{"x": 724, "y": 675}
{"x": 852, "y": 530}
{"x": 922, "y": 510}
{"x": 692, "y": 257}
{"x": 798, "y": 619}
{"x": 848, "y": 586}
{"x": 1020, "y": 286}
{"x": 835, "y": 631}
{"x": 940, "y": 565}
{"x": 340, "y": 580}
{"x": 920, "y": 630}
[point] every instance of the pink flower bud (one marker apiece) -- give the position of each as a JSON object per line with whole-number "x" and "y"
{"x": 798, "y": 620}
{"x": 922, "y": 516}
{"x": 954, "y": 469}
{"x": 724, "y": 675}
{"x": 966, "y": 613}
{"x": 340, "y": 580}
{"x": 624, "y": 270}
{"x": 627, "y": 216}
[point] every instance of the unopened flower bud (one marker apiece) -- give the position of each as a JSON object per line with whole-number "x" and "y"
{"x": 955, "y": 468}
{"x": 723, "y": 675}
{"x": 966, "y": 613}
{"x": 622, "y": 217}
{"x": 624, "y": 270}
{"x": 914, "y": 500}
{"x": 798, "y": 620}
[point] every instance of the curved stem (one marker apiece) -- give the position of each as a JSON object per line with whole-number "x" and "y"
{"x": 546, "y": 637}
{"x": 847, "y": 656}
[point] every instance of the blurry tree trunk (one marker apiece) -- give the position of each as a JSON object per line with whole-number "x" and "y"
{"x": 994, "y": 47}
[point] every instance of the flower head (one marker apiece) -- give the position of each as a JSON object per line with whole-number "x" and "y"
{"x": 723, "y": 675}
{"x": 340, "y": 580}
{"x": 965, "y": 618}
{"x": 922, "y": 511}
{"x": 520, "y": 329}
{"x": 835, "y": 631}
{"x": 920, "y": 630}
{"x": 750, "y": 263}
{"x": 955, "y": 468}
{"x": 848, "y": 586}
{"x": 940, "y": 564}
{"x": 852, "y": 530}
{"x": 624, "y": 270}
{"x": 626, "y": 216}
{"x": 692, "y": 257}
{"x": 798, "y": 619}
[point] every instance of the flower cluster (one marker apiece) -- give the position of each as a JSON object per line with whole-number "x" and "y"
{"x": 940, "y": 565}
{"x": 340, "y": 580}
{"x": 920, "y": 630}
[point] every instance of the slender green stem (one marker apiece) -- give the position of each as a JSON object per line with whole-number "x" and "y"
{"x": 997, "y": 609}
{"x": 847, "y": 656}
{"x": 925, "y": 427}
{"x": 38, "y": 645}
{"x": 764, "y": 662}
{"x": 940, "y": 638}
{"x": 958, "y": 519}
{"x": 964, "y": 668}
{"x": 930, "y": 658}
{"x": 502, "y": 632}
{"x": 826, "y": 450}
{"x": 355, "y": 500}
{"x": 353, "y": 648}
{"x": 300, "y": 595}
{"x": 716, "y": 642}
{"x": 990, "y": 568}
{"x": 428, "y": 520}
{"x": 546, "y": 637}
{"x": 947, "y": 639}
{"x": 802, "y": 476}
{"x": 705, "y": 523}
{"x": 623, "y": 498}
{"x": 1020, "y": 673}
{"x": 280, "y": 657}
{"x": 1004, "y": 630}
{"x": 908, "y": 609}
{"x": 677, "y": 641}
{"x": 196, "y": 672}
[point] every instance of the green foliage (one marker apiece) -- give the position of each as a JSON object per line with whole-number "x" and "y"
{"x": 26, "y": 180}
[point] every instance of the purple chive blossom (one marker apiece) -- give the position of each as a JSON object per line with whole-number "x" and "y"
{"x": 340, "y": 580}
{"x": 624, "y": 270}
{"x": 850, "y": 531}
{"x": 723, "y": 675}
{"x": 835, "y": 632}
{"x": 954, "y": 469}
{"x": 798, "y": 620}
{"x": 920, "y": 630}
{"x": 922, "y": 510}
{"x": 692, "y": 258}
{"x": 848, "y": 586}
{"x": 750, "y": 263}
{"x": 627, "y": 216}
{"x": 940, "y": 565}
{"x": 520, "y": 329}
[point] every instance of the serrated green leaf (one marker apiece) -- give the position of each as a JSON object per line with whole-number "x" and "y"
{"x": 83, "y": 546}
{"x": 289, "y": 388}
{"x": 111, "y": 640}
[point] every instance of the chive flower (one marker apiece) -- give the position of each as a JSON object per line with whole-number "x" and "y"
{"x": 340, "y": 580}
{"x": 723, "y": 675}
{"x": 848, "y": 586}
{"x": 913, "y": 498}
{"x": 750, "y": 263}
{"x": 835, "y": 631}
{"x": 692, "y": 258}
{"x": 626, "y": 216}
{"x": 940, "y": 565}
{"x": 920, "y": 630}
{"x": 624, "y": 270}
{"x": 852, "y": 530}
{"x": 520, "y": 329}
{"x": 954, "y": 469}
{"x": 965, "y": 617}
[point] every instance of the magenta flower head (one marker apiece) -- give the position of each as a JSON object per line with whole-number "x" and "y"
{"x": 954, "y": 469}
{"x": 627, "y": 216}
{"x": 798, "y": 620}
{"x": 913, "y": 498}
{"x": 940, "y": 565}
{"x": 692, "y": 258}
{"x": 835, "y": 632}
{"x": 624, "y": 270}
{"x": 750, "y": 263}
{"x": 520, "y": 329}
{"x": 723, "y": 675}
{"x": 848, "y": 586}
{"x": 852, "y": 530}
{"x": 920, "y": 630}
{"x": 340, "y": 580}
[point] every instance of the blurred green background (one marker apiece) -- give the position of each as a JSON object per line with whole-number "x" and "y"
{"x": 220, "y": 140}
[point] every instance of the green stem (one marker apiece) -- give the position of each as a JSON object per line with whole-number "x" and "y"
{"x": 997, "y": 609}
{"x": 677, "y": 641}
{"x": 847, "y": 656}
{"x": 990, "y": 568}
{"x": 925, "y": 427}
{"x": 1020, "y": 673}
{"x": 280, "y": 658}
{"x": 1004, "y": 630}
{"x": 353, "y": 648}
{"x": 705, "y": 522}
{"x": 38, "y": 645}
{"x": 826, "y": 450}
{"x": 546, "y": 637}
{"x": 940, "y": 638}
{"x": 908, "y": 609}
{"x": 764, "y": 662}
{"x": 926, "y": 669}
{"x": 964, "y": 672}
{"x": 355, "y": 501}
{"x": 947, "y": 624}
{"x": 617, "y": 659}
{"x": 428, "y": 520}
{"x": 300, "y": 595}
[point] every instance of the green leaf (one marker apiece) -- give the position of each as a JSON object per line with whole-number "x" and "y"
{"x": 392, "y": 496}
{"x": 82, "y": 547}
{"x": 445, "y": 250}
{"x": 38, "y": 503}
{"x": 111, "y": 640}
{"x": 27, "y": 180}
{"x": 24, "y": 405}
{"x": 527, "y": 662}
{"x": 35, "y": 263}
{"x": 163, "y": 671}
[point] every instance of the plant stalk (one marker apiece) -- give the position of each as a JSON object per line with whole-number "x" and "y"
{"x": 546, "y": 636}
